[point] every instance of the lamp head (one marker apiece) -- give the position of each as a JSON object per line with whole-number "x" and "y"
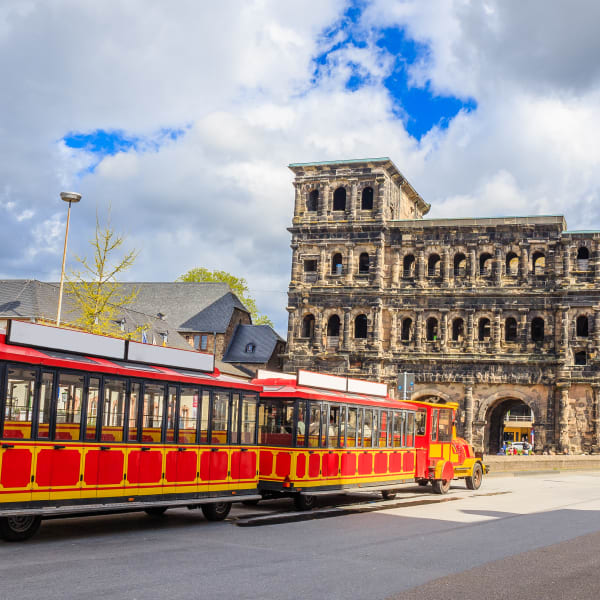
{"x": 70, "y": 196}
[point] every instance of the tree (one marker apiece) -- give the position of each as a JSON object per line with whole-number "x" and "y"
{"x": 94, "y": 290}
{"x": 238, "y": 285}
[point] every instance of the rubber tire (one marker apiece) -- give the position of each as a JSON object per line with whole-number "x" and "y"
{"x": 216, "y": 511}
{"x": 303, "y": 503}
{"x": 20, "y": 528}
{"x": 441, "y": 486}
{"x": 423, "y": 482}
{"x": 388, "y": 494}
{"x": 156, "y": 511}
{"x": 250, "y": 502}
{"x": 474, "y": 482}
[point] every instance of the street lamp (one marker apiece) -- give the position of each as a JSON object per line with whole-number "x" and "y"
{"x": 67, "y": 197}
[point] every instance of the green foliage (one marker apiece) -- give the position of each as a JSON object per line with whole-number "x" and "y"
{"x": 98, "y": 297}
{"x": 238, "y": 285}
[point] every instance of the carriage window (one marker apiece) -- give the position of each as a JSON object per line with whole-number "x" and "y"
{"x": 398, "y": 429}
{"x": 188, "y": 410}
{"x": 152, "y": 415}
{"x": 248, "y": 420}
{"x": 368, "y": 428}
{"x": 343, "y": 426}
{"x": 45, "y": 407}
{"x": 301, "y": 425}
{"x": 351, "y": 429}
{"x": 20, "y": 388}
{"x": 333, "y": 429}
{"x": 204, "y": 412}
{"x": 276, "y": 422}
{"x": 421, "y": 421}
{"x": 68, "y": 407}
{"x": 383, "y": 429}
{"x": 359, "y": 427}
{"x": 314, "y": 424}
{"x": 220, "y": 416}
{"x": 171, "y": 416}
{"x": 234, "y": 436}
{"x": 445, "y": 425}
{"x": 134, "y": 403}
{"x": 410, "y": 429}
{"x": 434, "y": 424}
{"x": 113, "y": 411}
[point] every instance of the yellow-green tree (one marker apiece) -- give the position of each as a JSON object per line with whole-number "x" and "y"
{"x": 238, "y": 285}
{"x": 98, "y": 298}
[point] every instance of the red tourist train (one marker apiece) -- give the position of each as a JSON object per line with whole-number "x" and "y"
{"x": 92, "y": 423}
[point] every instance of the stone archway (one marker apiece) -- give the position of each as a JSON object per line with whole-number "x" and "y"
{"x": 495, "y": 421}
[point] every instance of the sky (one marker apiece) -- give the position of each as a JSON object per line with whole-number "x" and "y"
{"x": 182, "y": 118}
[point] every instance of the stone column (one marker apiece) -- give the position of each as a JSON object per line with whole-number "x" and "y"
{"x": 379, "y": 266}
{"x": 563, "y": 419}
{"x": 596, "y": 419}
{"x": 353, "y": 201}
{"x": 350, "y": 268}
{"x": 597, "y": 328}
{"x": 564, "y": 329}
{"x": 566, "y": 262}
{"x": 379, "y": 198}
{"x": 323, "y": 265}
{"x": 524, "y": 329}
{"x": 469, "y": 413}
{"x": 347, "y": 326}
{"x": 419, "y": 330}
{"x": 497, "y": 331}
{"x": 323, "y": 206}
{"x": 394, "y": 329}
{"x": 377, "y": 326}
{"x": 499, "y": 267}
{"x": 319, "y": 331}
{"x": 421, "y": 266}
{"x": 297, "y": 201}
{"x": 470, "y": 329}
{"x": 296, "y": 270}
{"x": 396, "y": 268}
{"x": 473, "y": 266}
{"x": 446, "y": 268}
{"x": 524, "y": 263}
{"x": 596, "y": 265}
{"x": 444, "y": 330}
{"x": 292, "y": 330}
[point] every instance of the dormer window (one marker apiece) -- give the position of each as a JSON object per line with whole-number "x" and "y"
{"x": 250, "y": 348}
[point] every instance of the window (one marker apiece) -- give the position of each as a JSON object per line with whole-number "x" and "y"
{"x": 314, "y": 425}
{"x": 234, "y": 434}
{"x": 351, "y": 428}
{"x": 113, "y": 410}
{"x": 45, "y": 408}
{"x": 360, "y": 327}
{"x": 445, "y": 425}
{"x": 171, "y": 413}
{"x": 68, "y": 406}
{"x": 460, "y": 265}
{"x": 250, "y": 348}
{"x": 406, "y": 329}
{"x": 512, "y": 264}
{"x": 539, "y": 263}
{"x": 204, "y": 414}
{"x": 313, "y": 201}
{"x": 458, "y": 330}
{"x": 537, "y": 329}
{"x": 310, "y": 266}
{"x": 152, "y": 412}
{"x": 301, "y": 426}
{"x": 220, "y": 417}
{"x": 510, "y": 330}
{"x": 421, "y": 421}
{"x": 581, "y": 358}
{"x": 339, "y": 199}
{"x": 333, "y": 428}
{"x": 333, "y": 326}
{"x": 582, "y": 326}
{"x": 408, "y": 266}
{"x": 276, "y": 422}
{"x": 484, "y": 329}
{"x": 383, "y": 428}
{"x": 20, "y": 387}
{"x": 434, "y": 264}
{"x": 204, "y": 342}
{"x": 410, "y": 429}
{"x": 485, "y": 264}
{"x": 308, "y": 326}
{"x": 188, "y": 411}
{"x": 359, "y": 427}
{"x": 248, "y": 424}
{"x": 363, "y": 263}
{"x": 398, "y": 426}
{"x": 134, "y": 404}
{"x": 367, "y": 199}
{"x": 369, "y": 428}
{"x": 197, "y": 342}
{"x": 434, "y": 424}
{"x": 336, "y": 264}
{"x": 432, "y": 329}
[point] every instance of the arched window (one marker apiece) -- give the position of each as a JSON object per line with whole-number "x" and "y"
{"x": 367, "y": 199}
{"x": 313, "y": 201}
{"x": 485, "y": 264}
{"x": 582, "y": 326}
{"x": 405, "y": 335}
{"x": 583, "y": 258}
{"x": 333, "y": 326}
{"x": 363, "y": 263}
{"x": 250, "y": 347}
{"x": 460, "y": 265}
{"x": 458, "y": 330}
{"x": 308, "y": 326}
{"x": 408, "y": 266}
{"x": 432, "y": 329}
{"x": 336, "y": 264}
{"x": 339, "y": 199}
{"x": 512, "y": 264}
{"x": 484, "y": 329}
{"x": 434, "y": 264}
{"x": 537, "y": 329}
{"x": 360, "y": 326}
{"x": 539, "y": 263}
{"x": 510, "y": 330}
{"x": 581, "y": 358}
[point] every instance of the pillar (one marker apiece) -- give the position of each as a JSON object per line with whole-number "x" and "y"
{"x": 421, "y": 267}
{"x": 347, "y": 327}
{"x": 379, "y": 266}
{"x": 470, "y": 329}
{"x": 497, "y": 331}
{"x": 350, "y": 269}
{"x": 524, "y": 329}
{"x": 323, "y": 265}
{"x": 564, "y": 337}
{"x": 297, "y": 200}
{"x": 377, "y": 326}
{"x": 393, "y": 330}
{"x": 597, "y": 328}
{"x": 353, "y": 200}
{"x": 566, "y": 262}
{"x": 319, "y": 332}
{"x": 524, "y": 263}
{"x": 596, "y": 419}
{"x": 563, "y": 419}
{"x": 296, "y": 270}
{"x": 323, "y": 202}
{"x": 499, "y": 267}
{"x": 446, "y": 268}
{"x": 396, "y": 268}
{"x": 473, "y": 266}
{"x": 444, "y": 330}
{"x": 291, "y": 327}
{"x": 419, "y": 330}
{"x": 469, "y": 413}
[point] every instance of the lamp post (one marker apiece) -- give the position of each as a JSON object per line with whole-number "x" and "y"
{"x": 67, "y": 197}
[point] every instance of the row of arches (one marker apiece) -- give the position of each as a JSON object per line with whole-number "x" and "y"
{"x": 334, "y": 325}
{"x": 339, "y": 199}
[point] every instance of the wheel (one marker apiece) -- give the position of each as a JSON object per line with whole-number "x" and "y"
{"x": 302, "y": 502}
{"x": 250, "y": 502}
{"x": 423, "y": 482}
{"x": 441, "y": 486}
{"x": 156, "y": 511}
{"x": 19, "y": 528}
{"x": 216, "y": 511}
{"x": 388, "y": 494}
{"x": 474, "y": 481}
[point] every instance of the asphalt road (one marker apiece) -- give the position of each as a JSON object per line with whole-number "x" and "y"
{"x": 531, "y": 537}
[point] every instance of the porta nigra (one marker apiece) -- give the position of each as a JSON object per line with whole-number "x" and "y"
{"x": 495, "y": 313}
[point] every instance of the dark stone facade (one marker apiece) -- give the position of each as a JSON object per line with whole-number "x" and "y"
{"x": 487, "y": 312}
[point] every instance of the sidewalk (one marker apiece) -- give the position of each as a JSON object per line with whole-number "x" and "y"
{"x": 517, "y": 465}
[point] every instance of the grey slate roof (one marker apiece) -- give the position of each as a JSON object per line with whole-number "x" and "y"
{"x": 205, "y": 307}
{"x": 264, "y": 339}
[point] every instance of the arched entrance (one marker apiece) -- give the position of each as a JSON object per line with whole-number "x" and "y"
{"x": 509, "y": 420}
